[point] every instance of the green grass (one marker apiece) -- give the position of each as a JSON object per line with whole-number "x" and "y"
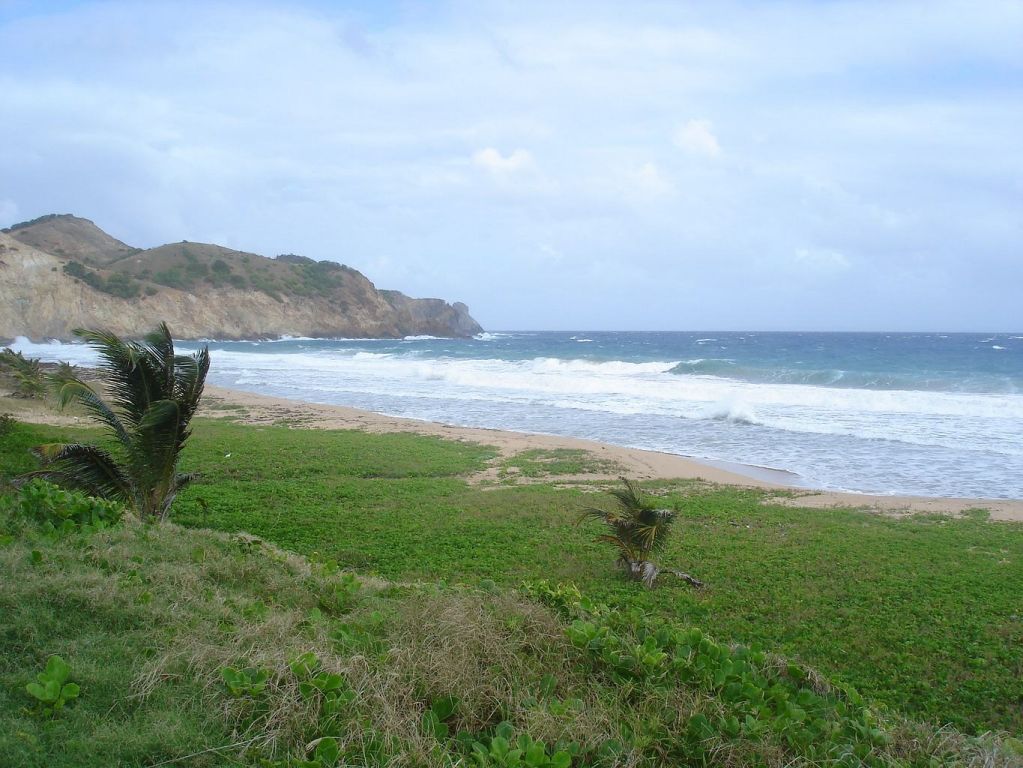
{"x": 540, "y": 462}
{"x": 922, "y": 613}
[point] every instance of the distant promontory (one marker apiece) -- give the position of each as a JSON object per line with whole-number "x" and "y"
{"x": 61, "y": 272}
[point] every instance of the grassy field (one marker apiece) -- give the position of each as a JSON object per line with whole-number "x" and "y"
{"x": 923, "y": 614}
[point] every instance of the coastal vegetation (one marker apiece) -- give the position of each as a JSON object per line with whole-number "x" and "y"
{"x": 636, "y": 527}
{"x": 203, "y": 648}
{"x": 332, "y": 598}
{"x": 24, "y": 375}
{"x": 154, "y": 394}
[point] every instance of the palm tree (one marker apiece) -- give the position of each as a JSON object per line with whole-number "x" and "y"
{"x": 26, "y": 372}
{"x": 637, "y": 528}
{"x": 153, "y": 396}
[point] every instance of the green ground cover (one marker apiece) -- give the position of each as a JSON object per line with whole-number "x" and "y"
{"x": 547, "y": 462}
{"x": 923, "y": 613}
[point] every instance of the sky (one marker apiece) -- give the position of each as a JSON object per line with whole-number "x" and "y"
{"x": 772, "y": 165}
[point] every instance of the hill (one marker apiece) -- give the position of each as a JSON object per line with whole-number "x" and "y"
{"x": 71, "y": 237}
{"x": 60, "y": 272}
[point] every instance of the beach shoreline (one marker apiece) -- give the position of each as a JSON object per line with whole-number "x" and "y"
{"x": 784, "y": 487}
{"x": 635, "y": 463}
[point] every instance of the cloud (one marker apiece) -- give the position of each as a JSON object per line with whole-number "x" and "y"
{"x": 492, "y": 161}
{"x": 821, "y": 260}
{"x": 434, "y": 148}
{"x": 650, "y": 181}
{"x": 697, "y": 138}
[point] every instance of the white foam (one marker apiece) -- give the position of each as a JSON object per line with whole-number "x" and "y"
{"x": 987, "y": 423}
{"x": 734, "y": 412}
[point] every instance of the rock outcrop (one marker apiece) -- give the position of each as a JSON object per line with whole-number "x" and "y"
{"x": 62, "y": 272}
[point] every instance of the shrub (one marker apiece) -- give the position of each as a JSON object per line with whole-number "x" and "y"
{"x": 66, "y": 511}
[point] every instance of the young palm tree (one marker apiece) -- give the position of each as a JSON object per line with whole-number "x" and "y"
{"x": 26, "y": 373}
{"x": 153, "y": 396}
{"x": 638, "y": 529}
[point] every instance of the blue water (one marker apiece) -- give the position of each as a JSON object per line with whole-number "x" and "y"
{"x": 928, "y": 414}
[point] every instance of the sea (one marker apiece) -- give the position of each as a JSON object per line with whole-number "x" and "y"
{"x": 931, "y": 414}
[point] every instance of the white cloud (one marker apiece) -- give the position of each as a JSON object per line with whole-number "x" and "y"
{"x": 492, "y": 161}
{"x": 551, "y": 254}
{"x": 697, "y": 138}
{"x": 821, "y": 260}
{"x": 650, "y": 181}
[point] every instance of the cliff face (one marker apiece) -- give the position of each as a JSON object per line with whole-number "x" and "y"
{"x": 61, "y": 273}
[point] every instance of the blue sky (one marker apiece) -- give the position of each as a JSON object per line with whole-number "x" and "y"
{"x": 732, "y": 165}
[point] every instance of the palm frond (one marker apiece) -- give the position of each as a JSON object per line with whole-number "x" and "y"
{"x": 190, "y": 379}
{"x": 156, "y": 443}
{"x": 624, "y": 550}
{"x": 85, "y": 467}
{"x": 72, "y": 389}
{"x": 128, "y": 380}
{"x": 159, "y": 350}
{"x": 636, "y": 526}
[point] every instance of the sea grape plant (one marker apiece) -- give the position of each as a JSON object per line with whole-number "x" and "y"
{"x": 248, "y": 681}
{"x": 61, "y": 511}
{"x": 52, "y": 689}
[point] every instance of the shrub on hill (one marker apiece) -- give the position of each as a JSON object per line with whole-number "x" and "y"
{"x": 116, "y": 284}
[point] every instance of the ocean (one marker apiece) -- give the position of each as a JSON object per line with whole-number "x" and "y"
{"x": 889, "y": 413}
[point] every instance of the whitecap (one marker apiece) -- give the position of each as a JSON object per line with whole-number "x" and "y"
{"x": 732, "y": 412}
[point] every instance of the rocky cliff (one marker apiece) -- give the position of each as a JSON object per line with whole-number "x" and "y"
{"x": 61, "y": 272}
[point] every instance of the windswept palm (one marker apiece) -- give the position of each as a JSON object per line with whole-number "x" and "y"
{"x": 153, "y": 395}
{"x": 637, "y": 528}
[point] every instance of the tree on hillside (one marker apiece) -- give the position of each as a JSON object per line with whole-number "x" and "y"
{"x": 637, "y": 528}
{"x": 153, "y": 395}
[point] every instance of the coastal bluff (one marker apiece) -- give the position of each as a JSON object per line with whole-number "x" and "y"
{"x": 61, "y": 272}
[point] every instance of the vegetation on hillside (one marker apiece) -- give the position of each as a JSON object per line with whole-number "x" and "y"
{"x": 920, "y": 613}
{"x": 191, "y": 266}
{"x": 199, "y": 648}
{"x": 115, "y": 283}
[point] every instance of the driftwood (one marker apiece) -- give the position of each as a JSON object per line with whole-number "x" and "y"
{"x": 647, "y": 572}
